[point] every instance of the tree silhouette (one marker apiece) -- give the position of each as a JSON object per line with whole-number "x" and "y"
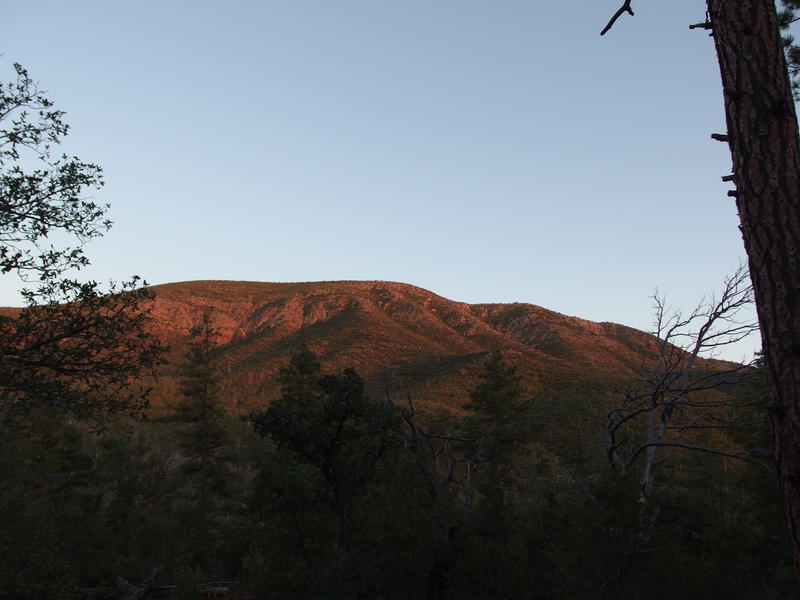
{"x": 73, "y": 346}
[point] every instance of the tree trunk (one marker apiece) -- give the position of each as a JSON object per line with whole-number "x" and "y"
{"x": 765, "y": 147}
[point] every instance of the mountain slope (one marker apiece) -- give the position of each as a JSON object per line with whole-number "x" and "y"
{"x": 398, "y": 336}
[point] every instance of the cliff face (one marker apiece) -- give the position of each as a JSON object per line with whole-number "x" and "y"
{"x": 399, "y": 337}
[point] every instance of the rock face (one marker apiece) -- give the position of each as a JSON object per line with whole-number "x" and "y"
{"x": 399, "y": 337}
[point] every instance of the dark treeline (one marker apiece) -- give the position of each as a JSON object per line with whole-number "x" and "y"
{"x": 331, "y": 494}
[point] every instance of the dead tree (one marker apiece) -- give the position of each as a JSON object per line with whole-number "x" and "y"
{"x": 680, "y": 393}
{"x": 680, "y": 396}
{"x": 438, "y": 458}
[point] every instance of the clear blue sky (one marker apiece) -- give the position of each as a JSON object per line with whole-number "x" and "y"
{"x": 487, "y": 151}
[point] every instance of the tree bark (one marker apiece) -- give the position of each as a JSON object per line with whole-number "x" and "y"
{"x": 765, "y": 148}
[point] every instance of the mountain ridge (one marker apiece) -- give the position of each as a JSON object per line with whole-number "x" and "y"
{"x": 403, "y": 339}
{"x": 394, "y": 334}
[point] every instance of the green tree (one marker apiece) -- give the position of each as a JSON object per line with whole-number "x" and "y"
{"x": 42, "y": 468}
{"x": 502, "y": 421}
{"x": 74, "y": 346}
{"x": 204, "y": 437}
{"x": 212, "y": 483}
{"x": 496, "y": 553}
{"x": 787, "y": 17}
{"x": 326, "y": 482}
{"x": 331, "y": 423}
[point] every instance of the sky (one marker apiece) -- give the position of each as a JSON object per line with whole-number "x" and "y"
{"x": 486, "y": 151}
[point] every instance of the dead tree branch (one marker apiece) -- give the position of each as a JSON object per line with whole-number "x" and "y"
{"x": 745, "y": 455}
{"x": 625, "y": 8}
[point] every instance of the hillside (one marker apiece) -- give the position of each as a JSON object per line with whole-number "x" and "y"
{"x": 398, "y": 336}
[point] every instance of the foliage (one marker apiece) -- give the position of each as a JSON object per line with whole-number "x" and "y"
{"x": 206, "y": 462}
{"x": 501, "y": 421}
{"x": 204, "y": 437}
{"x": 787, "y": 16}
{"x": 333, "y": 500}
{"x": 38, "y": 202}
{"x": 334, "y": 442}
{"x": 83, "y": 356}
{"x": 74, "y": 346}
{"x": 329, "y": 422}
{"x": 41, "y": 465}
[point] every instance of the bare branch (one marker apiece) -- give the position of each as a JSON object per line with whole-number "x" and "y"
{"x": 625, "y": 8}
{"x": 742, "y": 455}
{"x": 678, "y": 393}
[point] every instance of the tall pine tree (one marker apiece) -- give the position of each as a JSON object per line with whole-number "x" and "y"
{"x": 204, "y": 436}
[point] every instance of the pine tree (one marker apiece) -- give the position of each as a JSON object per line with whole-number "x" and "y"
{"x": 762, "y": 134}
{"x": 501, "y": 421}
{"x": 204, "y": 436}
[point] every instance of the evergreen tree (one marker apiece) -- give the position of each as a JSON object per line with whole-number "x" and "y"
{"x": 209, "y": 508}
{"x": 496, "y": 550}
{"x": 204, "y": 437}
{"x": 326, "y": 486}
{"x": 501, "y": 421}
{"x": 787, "y": 16}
